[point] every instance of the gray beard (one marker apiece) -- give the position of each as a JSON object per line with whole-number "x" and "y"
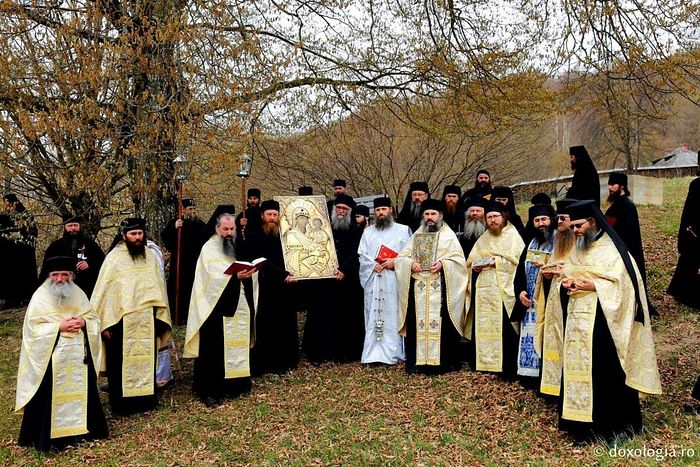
{"x": 229, "y": 246}
{"x": 415, "y": 210}
{"x": 585, "y": 241}
{"x": 386, "y": 222}
{"x": 431, "y": 228}
{"x": 340, "y": 222}
{"x": 474, "y": 228}
{"x": 61, "y": 292}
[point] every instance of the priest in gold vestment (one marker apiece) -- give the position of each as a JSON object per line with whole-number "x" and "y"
{"x": 132, "y": 302}
{"x": 490, "y": 297}
{"x": 549, "y": 329}
{"x": 57, "y": 377}
{"x": 609, "y": 357}
{"x": 431, "y": 282}
{"x": 221, "y": 320}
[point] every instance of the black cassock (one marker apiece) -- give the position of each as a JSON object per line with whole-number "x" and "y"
{"x": 455, "y": 220}
{"x": 685, "y": 284}
{"x": 586, "y": 183}
{"x": 19, "y": 235}
{"x": 189, "y": 249}
{"x": 114, "y": 351}
{"x": 508, "y": 335}
{"x": 208, "y": 375}
{"x": 616, "y": 408}
{"x": 623, "y": 217}
{"x": 450, "y": 348}
{"x": 335, "y": 326}
{"x": 276, "y": 331}
{"x": 82, "y": 249}
{"x": 36, "y": 422}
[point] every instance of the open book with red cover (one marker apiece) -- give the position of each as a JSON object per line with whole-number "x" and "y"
{"x": 385, "y": 253}
{"x": 245, "y": 266}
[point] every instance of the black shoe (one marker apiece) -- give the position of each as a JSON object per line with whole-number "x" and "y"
{"x": 211, "y": 403}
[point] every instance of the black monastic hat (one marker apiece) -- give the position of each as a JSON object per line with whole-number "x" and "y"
{"x": 339, "y": 182}
{"x": 70, "y": 219}
{"x": 540, "y": 210}
{"x": 269, "y": 204}
{"x": 418, "y": 186}
{"x": 495, "y": 206}
{"x": 132, "y": 223}
{"x": 483, "y": 171}
{"x": 432, "y": 204}
{"x": 362, "y": 210}
{"x": 254, "y": 192}
{"x": 452, "y": 190}
{"x": 617, "y": 178}
{"x": 188, "y": 202}
{"x": 306, "y": 191}
{"x": 563, "y": 205}
{"x": 344, "y": 199}
{"x": 541, "y": 198}
{"x": 382, "y": 202}
{"x": 475, "y": 201}
{"x": 59, "y": 263}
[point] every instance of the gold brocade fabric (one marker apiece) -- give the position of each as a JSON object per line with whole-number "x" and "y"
{"x": 126, "y": 286}
{"x": 549, "y": 336}
{"x": 428, "y": 299}
{"x": 549, "y": 330}
{"x": 69, "y": 395}
{"x": 451, "y": 256}
{"x": 209, "y": 283}
{"x": 40, "y": 331}
{"x": 493, "y": 291}
{"x": 138, "y": 354}
{"x": 237, "y": 340}
{"x": 602, "y": 264}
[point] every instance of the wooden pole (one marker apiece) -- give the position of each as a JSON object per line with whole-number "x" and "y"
{"x": 179, "y": 251}
{"x": 243, "y": 203}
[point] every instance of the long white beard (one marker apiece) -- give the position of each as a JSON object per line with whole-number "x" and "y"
{"x": 61, "y": 291}
{"x": 474, "y": 228}
{"x": 340, "y": 222}
{"x": 229, "y": 246}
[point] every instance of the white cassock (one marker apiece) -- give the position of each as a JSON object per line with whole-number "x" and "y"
{"x": 382, "y": 340}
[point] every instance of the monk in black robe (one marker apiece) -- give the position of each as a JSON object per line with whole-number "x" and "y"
{"x": 474, "y": 224}
{"x": 454, "y": 214}
{"x": 20, "y": 232}
{"x": 334, "y": 328}
{"x": 623, "y": 217}
{"x": 685, "y": 284}
{"x": 481, "y": 189}
{"x": 586, "y": 184}
{"x": 410, "y": 212}
{"x": 192, "y": 227}
{"x": 87, "y": 253}
{"x": 276, "y": 330}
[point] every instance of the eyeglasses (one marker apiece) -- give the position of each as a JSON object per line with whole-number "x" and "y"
{"x": 579, "y": 226}
{"x": 493, "y": 216}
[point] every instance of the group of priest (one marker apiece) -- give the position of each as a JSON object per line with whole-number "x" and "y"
{"x": 559, "y": 303}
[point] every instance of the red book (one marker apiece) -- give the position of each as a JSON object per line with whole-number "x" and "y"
{"x": 385, "y": 253}
{"x": 245, "y": 266}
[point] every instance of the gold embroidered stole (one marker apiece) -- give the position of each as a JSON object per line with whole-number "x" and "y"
{"x": 138, "y": 353}
{"x": 237, "y": 340}
{"x": 488, "y": 325}
{"x": 578, "y": 357}
{"x": 427, "y": 292}
{"x": 70, "y": 387}
{"x": 549, "y": 336}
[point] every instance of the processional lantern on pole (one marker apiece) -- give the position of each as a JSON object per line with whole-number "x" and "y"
{"x": 180, "y": 176}
{"x": 244, "y": 172}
